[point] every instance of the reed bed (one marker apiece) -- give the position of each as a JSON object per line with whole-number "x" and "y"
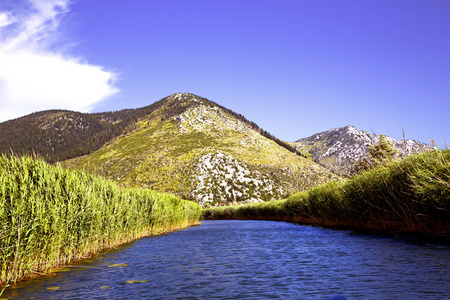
{"x": 407, "y": 196}
{"x": 50, "y": 216}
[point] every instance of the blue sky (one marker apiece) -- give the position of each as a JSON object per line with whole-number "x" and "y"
{"x": 293, "y": 67}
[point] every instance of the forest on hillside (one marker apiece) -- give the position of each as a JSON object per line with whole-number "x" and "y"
{"x": 58, "y": 135}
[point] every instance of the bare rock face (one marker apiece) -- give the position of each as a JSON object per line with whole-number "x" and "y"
{"x": 338, "y": 149}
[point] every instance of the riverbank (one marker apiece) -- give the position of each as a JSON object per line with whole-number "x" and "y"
{"x": 50, "y": 216}
{"x": 411, "y": 196}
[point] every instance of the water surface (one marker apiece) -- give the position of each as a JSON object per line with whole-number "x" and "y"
{"x": 255, "y": 260}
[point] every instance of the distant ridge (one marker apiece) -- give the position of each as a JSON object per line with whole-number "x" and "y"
{"x": 339, "y": 148}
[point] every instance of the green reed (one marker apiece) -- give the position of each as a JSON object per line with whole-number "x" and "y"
{"x": 50, "y": 216}
{"x": 408, "y": 196}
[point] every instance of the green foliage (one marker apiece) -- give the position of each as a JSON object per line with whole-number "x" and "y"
{"x": 379, "y": 154}
{"x": 383, "y": 151}
{"x": 50, "y": 216}
{"x": 412, "y": 195}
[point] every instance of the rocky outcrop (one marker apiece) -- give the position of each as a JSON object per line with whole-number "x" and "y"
{"x": 220, "y": 178}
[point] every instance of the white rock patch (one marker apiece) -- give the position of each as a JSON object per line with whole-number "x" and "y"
{"x": 221, "y": 178}
{"x": 201, "y": 117}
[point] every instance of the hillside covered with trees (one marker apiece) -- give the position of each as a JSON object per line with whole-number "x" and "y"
{"x": 58, "y": 135}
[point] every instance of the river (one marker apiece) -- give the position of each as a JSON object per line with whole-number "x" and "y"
{"x": 254, "y": 260}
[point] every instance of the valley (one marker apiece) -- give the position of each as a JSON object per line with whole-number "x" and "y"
{"x": 117, "y": 176}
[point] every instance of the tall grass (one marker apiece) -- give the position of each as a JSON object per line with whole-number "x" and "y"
{"x": 408, "y": 196}
{"x": 50, "y": 216}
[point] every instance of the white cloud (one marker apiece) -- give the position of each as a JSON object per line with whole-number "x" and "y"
{"x": 33, "y": 77}
{"x": 5, "y": 19}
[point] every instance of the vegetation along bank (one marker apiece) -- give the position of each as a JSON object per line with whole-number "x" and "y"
{"x": 50, "y": 216}
{"x": 406, "y": 196}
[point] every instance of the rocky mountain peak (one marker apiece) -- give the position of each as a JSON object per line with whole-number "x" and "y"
{"x": 339, "y": 148}
{"x": 184, "y": 97}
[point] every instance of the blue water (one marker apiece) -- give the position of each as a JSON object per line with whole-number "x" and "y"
{"x": 255, "y": 260}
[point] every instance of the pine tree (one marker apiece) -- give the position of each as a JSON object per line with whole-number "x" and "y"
{"x": 383, "y": 151}
{"x": 379, "y": 154}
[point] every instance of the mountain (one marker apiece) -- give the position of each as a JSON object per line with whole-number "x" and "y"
{"x": 339, "y": 149}
{"x": 57, "y": 135}
{"x": 183, "y": 144}
{"x": 203, "y": 152}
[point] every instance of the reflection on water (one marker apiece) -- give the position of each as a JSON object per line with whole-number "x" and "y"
{"x": 255, "y": 260}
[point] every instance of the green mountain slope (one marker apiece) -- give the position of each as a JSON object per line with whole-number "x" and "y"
{"x": 57, "y": 135}
{"x": 201, "y": 151}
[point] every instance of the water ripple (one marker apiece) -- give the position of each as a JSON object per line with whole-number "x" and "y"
{"x": 256, "y": 260}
